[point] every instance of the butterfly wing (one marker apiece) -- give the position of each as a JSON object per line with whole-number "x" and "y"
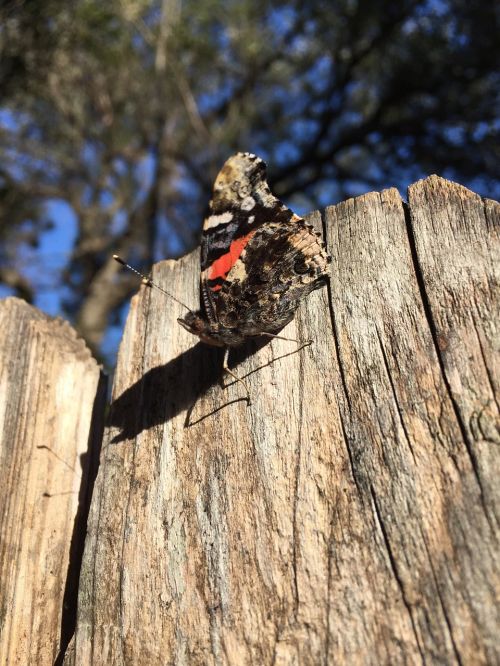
{"x": 241, "y": 204}
{"x": 278, "y": 267}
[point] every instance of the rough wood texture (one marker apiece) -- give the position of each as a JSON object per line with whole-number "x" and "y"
{"x": 349, "y": 516}
{"x": 49, "y": 427}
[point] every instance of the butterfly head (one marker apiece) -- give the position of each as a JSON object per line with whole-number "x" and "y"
{"x": 211, "y": 333}
{"x": 197, "y": 324}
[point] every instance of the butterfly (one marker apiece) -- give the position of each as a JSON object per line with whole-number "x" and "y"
{"x": 258, "y": 260}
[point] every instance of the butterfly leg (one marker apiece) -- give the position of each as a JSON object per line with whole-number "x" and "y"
{"x": 225, "y": 367}
{"x": 280, "y": 337}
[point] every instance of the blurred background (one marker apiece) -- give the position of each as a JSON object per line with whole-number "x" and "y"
{"x": 116, "y": 116}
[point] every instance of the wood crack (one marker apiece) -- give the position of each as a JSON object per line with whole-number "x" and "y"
{"x": 394, "y": 395}
{"x": 487, "y": 370}
{"x": 328, "y": 594}
{"x": 432, "y": 328}
{"x": 89, "y": 472}
{"x": 395, "y": 572}
{"x": 298, "y": 465}
{"x": 350, "y": 457}
{"x": 334, "y": 323}
{"x": 441, "y": 602}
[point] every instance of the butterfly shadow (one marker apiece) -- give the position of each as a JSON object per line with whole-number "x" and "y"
{"x": 165, "y": 391}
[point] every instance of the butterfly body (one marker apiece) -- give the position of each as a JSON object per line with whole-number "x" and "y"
{"x": 258, "y": 259}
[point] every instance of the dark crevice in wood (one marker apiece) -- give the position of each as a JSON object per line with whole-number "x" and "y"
{"x": 329, "y": 591}
{"x": 298, "y": 461}
{"x": 280, "y": 628}
{"x": 349, "y": 455}
{"x": 395, "y": 572}
{"x": 484, "y": 201}
{"x": 90, "y": 465}
{"x": 486, "y": 367}
{"x": 432, "y": 328}
{"x": 394, "y": 395}
{"x": 334, "y": 323}
{"x": 441, "y": 602}
{"x": 122, "y": 538}
{"x": 94, "y": 577}
{"x": 214, "y": 632}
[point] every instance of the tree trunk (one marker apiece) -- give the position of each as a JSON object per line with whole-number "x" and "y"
{"x": 51, "y": 405}
{"x": 349, "y": 515}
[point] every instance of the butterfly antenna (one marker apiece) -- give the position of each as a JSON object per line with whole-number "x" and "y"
{"x": 147, "y": 281}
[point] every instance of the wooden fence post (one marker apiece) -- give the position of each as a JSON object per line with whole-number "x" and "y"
{"x": 350, "y": 514}
{"x": 52, "y": 398}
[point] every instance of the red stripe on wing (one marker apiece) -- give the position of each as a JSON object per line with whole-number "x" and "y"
{"x": 221, "y": 267}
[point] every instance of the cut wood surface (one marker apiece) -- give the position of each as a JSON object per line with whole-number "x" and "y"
{"x": 350, "y": 514}
{"x": 51, "y": 397}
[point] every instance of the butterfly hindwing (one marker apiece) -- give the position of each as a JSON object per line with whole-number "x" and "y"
{"x": 279, "y": 266}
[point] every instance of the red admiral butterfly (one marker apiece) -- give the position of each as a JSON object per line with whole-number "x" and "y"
{"x": 258, "y": 260}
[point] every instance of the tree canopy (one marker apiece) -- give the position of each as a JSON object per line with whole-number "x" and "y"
{"x": 126, "y": 110}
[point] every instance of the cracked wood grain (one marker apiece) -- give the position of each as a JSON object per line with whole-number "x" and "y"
{"x": 51, "y": 393}
{"x": 463, "y": 312}
{"x": 348, "y": 515}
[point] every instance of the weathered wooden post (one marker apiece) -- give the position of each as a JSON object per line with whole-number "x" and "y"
{"x": 52, "y": 398}
{"x": 349, "y": 515}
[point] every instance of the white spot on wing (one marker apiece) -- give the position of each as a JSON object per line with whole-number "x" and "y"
{"x": 248, "y": 203}
{"x": 216, "y": 220}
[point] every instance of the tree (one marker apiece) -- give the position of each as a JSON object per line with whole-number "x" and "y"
{"x": 126, "y": 111}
